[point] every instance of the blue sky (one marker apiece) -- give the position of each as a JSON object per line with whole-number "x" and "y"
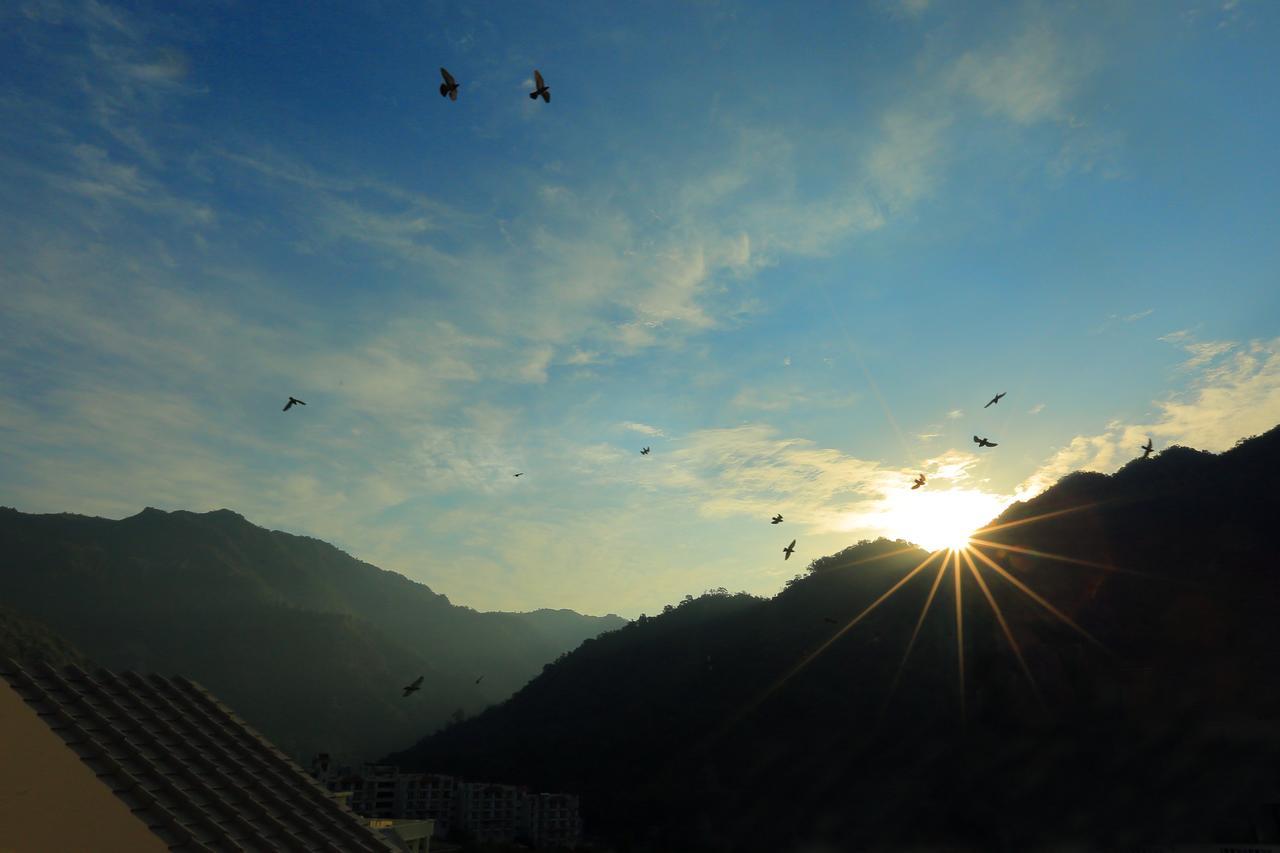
{"x": 793, "y": 250}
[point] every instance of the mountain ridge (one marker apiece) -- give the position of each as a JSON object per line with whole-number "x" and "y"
{"x": 182, "y": 591}
{"x": 1144, "y": 709}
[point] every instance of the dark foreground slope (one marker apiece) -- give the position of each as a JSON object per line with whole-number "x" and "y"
{"x": 29, "y": 641}
{"x": 307, "y": 643}
{"x": 705, "y": 728}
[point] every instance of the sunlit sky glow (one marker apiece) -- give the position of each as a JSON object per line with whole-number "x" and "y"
{"x": 793, "y": 250}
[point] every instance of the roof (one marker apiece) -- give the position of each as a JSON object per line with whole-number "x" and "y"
{"x": 195, "y": 773}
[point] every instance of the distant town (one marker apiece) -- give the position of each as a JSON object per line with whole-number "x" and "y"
{"x": 461, "y": 810}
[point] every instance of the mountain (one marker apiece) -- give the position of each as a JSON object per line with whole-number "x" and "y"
{"x": 1144, "y": 607}
{"x": 30, "y": 641}
{"x": 308, "y": 644}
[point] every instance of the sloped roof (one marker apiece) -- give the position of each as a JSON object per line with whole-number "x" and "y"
{"x": 186, "y": 765}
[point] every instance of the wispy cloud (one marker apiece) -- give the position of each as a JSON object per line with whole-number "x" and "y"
{"x": 1236, "y": 393}
{"x": 643, "y": 429}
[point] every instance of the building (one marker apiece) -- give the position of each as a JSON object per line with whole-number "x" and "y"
{"x": 482, "y": 811}
{"x": 381, "y": 791}
{"x": 490, "y": 812}
{"x": 551, "y": 820}
{"x": 126, "y": 762}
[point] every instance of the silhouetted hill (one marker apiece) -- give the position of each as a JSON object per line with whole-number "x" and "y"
{"x": 27, "y": 640}
{"x": 737, "y": 723}
{"x": 307, "y": 643}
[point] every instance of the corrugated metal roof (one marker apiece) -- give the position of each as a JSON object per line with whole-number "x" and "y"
{"x": 186, "y": 765}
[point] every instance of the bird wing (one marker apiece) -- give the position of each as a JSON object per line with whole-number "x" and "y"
{"x": 448, "y": 78}
{"x": 992, "y": 444}
{"x": 989, "y": 403}
{"x": 537, "y": 79}
{"x": 977, "y": 440}
{"x": 546, "y": 95}
{"x": 286, "y": 406}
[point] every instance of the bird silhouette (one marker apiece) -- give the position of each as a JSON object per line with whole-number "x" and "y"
{"x": 982, "y": 442}
{"x": 293, "y": 401}
{"x": 449, "y": 87}
{"x": 828, "y": 620}
{"x": 789, "y": 550}
{"x": 541, "y": 88}
{"x": 414, "y": 687}
{"x": 1147, "y": 448}
{"x": 995, "y": 399}
{"x": 777, "y": 519}
{"x": 919, "y": 482}
{"x": 521, "y": 474}
{"x": 644, "y": 451}
{"x": 480, "y": 679}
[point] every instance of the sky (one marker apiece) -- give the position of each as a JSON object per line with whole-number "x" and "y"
{"x": 792, "y": 249}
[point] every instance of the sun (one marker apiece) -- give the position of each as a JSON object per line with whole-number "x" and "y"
{"x": 943, "y": 518}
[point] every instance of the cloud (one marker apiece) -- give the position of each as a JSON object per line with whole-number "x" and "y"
{"x": 1030, "y": 78}
{"x": 1112, "y": 319}
{"x": 1235, "y": 394}
{"x": 955, "y": 414}
{"x": 1036, "y": 409}
{"x": 643, "y": 429}
{"x": 902, "y": 167}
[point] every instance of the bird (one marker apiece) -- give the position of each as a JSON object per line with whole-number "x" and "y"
{"x": 644, "y": 451}
{"x": 789, "y": 550}
{"x": 449, "y": 87}
{"x": 1147, "y": 448}
{"x": 777, "y": 519}
{"x": 521, "y": 474}
{"x": 542, "y": 88}
{"x": 828, "y": 620}
{"x": 919, "y": 482}
{"x": 414, "y": 687}
{"x": 995, "y": 399}
{"x": 982, "y": 442}
{"x": 480, "y": 679}
{"x": 293, "y": 401}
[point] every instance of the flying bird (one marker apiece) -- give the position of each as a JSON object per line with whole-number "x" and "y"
{"x": 521, "y": 474}
{"x": 995, "y": 399}
{"x": 449, "y": 87}
{"x": 1147, "y": 448}
{"x": 777, "y": 519}
{"x": 541, "y": 88}
{"x": 293, "y": 401}
{"x": 982, "y": 442}
{"x": 644, "y": 451}
{"x": 480, "y": 679}
{"x": 919, "y": 482}
{"x": 789, "y": 550}
{"x": 414, "y": 687}
{"x": 828, "y": 620}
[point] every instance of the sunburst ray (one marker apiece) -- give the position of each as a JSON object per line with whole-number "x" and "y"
{"x": 809, "y": 658}
{"x": 1040, "y": 517}
{"x": 1063, "y": 558}
{"x": 1038, "y": 599}
{"x": 959, "y": 636}
{"x": 924, "y": 611}
{"x": 1004, "y": 626}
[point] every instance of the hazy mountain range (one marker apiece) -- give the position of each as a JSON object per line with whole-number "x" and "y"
{"x": 307, "y": 643}
{"x": 737, "y": 723}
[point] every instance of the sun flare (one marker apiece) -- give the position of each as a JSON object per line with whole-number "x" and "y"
{"x": 942, "y": 518}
